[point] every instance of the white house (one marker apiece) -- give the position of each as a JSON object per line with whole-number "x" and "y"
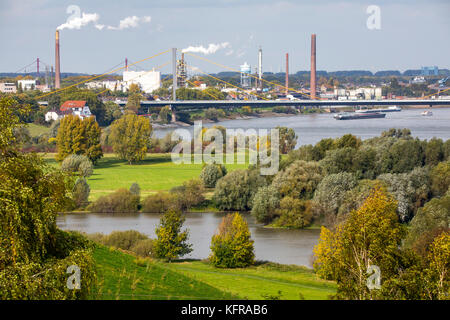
{"x": 77, "y": 108}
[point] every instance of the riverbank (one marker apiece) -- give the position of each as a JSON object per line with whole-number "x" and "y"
{"x": 123, "y": 276}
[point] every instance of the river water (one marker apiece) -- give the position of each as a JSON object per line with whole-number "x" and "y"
{"x": 311, "y": 128}
{"x": 276, "y": 245}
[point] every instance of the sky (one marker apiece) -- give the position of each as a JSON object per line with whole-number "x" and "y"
{"x": 98, "y": 35}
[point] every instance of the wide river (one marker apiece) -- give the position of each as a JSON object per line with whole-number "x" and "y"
{"x": 277, "y": 245}
{"x": 311, "y": 128}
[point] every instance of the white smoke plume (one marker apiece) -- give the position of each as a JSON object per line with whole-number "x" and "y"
{"x": 130, "y": 22}
{"x": 78, "y": 22}
{"x": 212, "y": 48}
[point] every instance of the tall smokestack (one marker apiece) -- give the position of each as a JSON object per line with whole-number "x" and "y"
{"x": 126, "y": 64}
{"x": 260, "y": 67}
{"x": 57, "y": 65}
{"x": 313, "y": 67}
{"x": 287, "y": 74}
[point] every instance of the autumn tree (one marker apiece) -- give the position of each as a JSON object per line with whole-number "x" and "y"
{"x": 134, "y": 98}
{"x": 370, "y": 236}
{"x": 171, "y": 242}
{"x": 76, "y": 136}
{"x": 232, "y": 246}
{"x": 130, "y": 136}
{"x": 288, "y": 139}
{"x": 164, "y": 114}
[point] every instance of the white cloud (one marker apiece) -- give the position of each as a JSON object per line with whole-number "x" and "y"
{"x": 130, "y": 22}
{"x": 212, "y": 48}
{"x": 79, "y": 22}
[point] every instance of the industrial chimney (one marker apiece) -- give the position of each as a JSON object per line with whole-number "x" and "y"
{"x": 260, "y": 68}
{"x": 57, "y": 64}
{"x": 313, "y": 67}
{"x": 287, "y": 74}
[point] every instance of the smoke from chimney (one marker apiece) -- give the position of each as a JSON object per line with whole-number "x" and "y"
{"x": 313, "y": 67}
{"x": 57, "y": 63}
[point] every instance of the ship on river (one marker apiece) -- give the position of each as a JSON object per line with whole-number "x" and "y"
{"x": 359, "y": 115}
{"x": 389, "y": 109}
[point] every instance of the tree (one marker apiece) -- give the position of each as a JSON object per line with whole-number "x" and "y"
{"x": 80, "y": 164}
{"x": 331, "y": 191}
{"x": 76, "y": 136}
{"x": 211, "y": 173}
{"x": 440, "y": 178}
{"x": 265, "y": 204}
{"x": 434, "y": 152}
{"x": 171, "y": 243}
{"x": 214, "y": 114}
{"x": 80, "y": 193}
{"x": 189, "y": 195}
{"x": 232, "y": 246}
{"x": 236, "y": 190}
{"x": 130, "y": 136}
{"x": 370, "y": 236}
{"x": 164, "y": 114}
{"x": 288, "y": 139}
{"x": 299, "y": 180}
{"x": 294, "y": 213}
{"x": 135, "y": 189}
{"x": 439, "y": 265}
{"x": 339, "y": 160}
{"x": 112, "y": 112}
{"x": 134, "y": 98}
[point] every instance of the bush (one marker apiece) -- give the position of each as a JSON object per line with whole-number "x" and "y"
{"x": 214, "y": 114}
{"x": 120, "y": 201}
{"x": 144, "y": 248}
{"x": 171, "y": 243}
{"x": 76, "y": 163}
{"x": 265, "y": 203}
{"x": 211, "y": 173}
{"x": 236, "y": 190}
{"x": 160, "y": 202}
{"x": 294, "y": 213}
{"x": 232, "y": 247}
{"x": 123, "y": 239}
{"x": 80, "y": 193}
{"x": 136, "y": 190}
{"x": 189, "y": 195}
{"x": 440, "y": 178}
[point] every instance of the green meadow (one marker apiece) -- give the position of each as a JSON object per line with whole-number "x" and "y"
{"x": 123, "y": 276}
{"x": 155, "y": 173}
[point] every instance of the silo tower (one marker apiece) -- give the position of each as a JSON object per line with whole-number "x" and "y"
{"x": 245, "y": 76}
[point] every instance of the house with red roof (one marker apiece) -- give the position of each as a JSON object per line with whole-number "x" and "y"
{"x": 75, "y": 107}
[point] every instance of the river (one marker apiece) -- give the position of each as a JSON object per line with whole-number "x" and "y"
{"x": 311, "y": 128}
{"x": 276, "y": 245}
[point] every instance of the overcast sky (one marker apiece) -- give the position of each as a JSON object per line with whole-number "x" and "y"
{"x": 413, "y": 33}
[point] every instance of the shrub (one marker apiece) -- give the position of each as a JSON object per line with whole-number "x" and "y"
{"x": 265, "y": 203}
{"x": 294, "y": 213}
{"x": 171, "y": 243}
{"x": 440, "y": 178}
{"x": 214, "y": 114}
{"x": 144, "y": 248}
{"x": 123, "y": 239}
{"x": 211, "y": 173}
{"x": 188, "y": 195}
{"x": 77, "y": 164}
{"x": 135, "y": 189}
{"x": 81, "y": 192}
{"x": 232, "y": 247}
{"x": 120, "y": 201}
{"x": 160, "y": 202}
{"x": 236, "y": 190}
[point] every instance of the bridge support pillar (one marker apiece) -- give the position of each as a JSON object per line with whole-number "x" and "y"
{"x": 174, "y": 115}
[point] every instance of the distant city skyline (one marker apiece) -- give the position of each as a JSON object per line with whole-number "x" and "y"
{"x": 99, "y": 36}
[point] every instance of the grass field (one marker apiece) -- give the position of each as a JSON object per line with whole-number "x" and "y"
{"x": 157, "y": 172}
{"x": 122, "y": 276}
{"x": 36, "y": 129}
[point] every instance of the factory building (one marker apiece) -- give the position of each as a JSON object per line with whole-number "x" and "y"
{"x": 27, "y": 84}
{"x": 8, "y": 87}
{"x": 147, "y": 80}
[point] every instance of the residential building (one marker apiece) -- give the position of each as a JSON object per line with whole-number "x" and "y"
{"x": 8, "y": 87}
{"x": 75, "y": 107}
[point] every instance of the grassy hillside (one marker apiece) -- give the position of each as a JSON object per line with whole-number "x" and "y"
{"x": 122, "y": 276}
{"x": 36, "y": 129}
{"x": 156, "y": 172}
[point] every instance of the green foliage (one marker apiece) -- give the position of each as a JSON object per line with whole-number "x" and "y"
{"x": 288, "y": 139}
{"x": 160, "y": 202}
{"x": 135, "y": 189}
{"x": 130, "y": 136}
{"x": 232, "y": 246}
{"x": 189, "y": 195}
{"x": 402, "y": 156}
{"x": 370, "y": 236}
{"x": 265, "y": 204}
{"x": 434, "y": 152}
{"x": 80, "y": 164}
{"x": 294, "y": 213}
{"x": 298, "y": 180}
{"x": 171, "y": 242}
{"x": 440, "y": 178}
{"x": 165, "y": 115}
{"x": 410, "y": 189}
{"x": 331, "y": 191}
{"x": 120, "y": 201}
{"x": 80, "y": 193}
{"x": 214, "y": 114}
{"x": 236, "y": 190}
{"x": 76, "y": 136}
{"x": 211, "y": 173}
